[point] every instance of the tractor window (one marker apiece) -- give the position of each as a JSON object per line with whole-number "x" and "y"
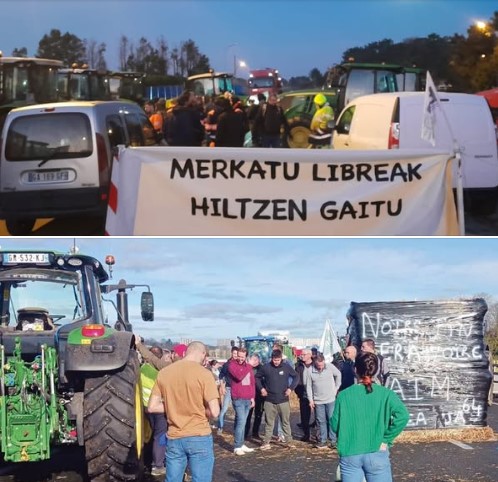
{"x": 298, "y": 103}
{"x": 410, "y": 82}
{"x": 15, "y": 84}
{"x": 224, "y": 85}
{"x": 364, "y": 82}
{"x": 386, "y": 82}
{"x": 262, "y": 348}
{"x": 197, "y": 88}
{"x": 36, "y": 294}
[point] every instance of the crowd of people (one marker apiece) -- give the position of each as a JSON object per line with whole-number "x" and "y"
{"x": 188, "y": 397}
{"x": 226, "y": 121}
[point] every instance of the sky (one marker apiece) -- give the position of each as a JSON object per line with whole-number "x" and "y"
{"x": 293, "y": 36}
{"x": 220, "y": 288}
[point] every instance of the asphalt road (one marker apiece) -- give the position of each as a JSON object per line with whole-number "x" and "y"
{"x": 412, "y": 462}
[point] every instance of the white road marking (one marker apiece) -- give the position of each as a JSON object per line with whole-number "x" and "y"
{"x": 461, "y": 445}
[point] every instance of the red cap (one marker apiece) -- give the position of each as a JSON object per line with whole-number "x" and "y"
{"x": 180, "y": 350}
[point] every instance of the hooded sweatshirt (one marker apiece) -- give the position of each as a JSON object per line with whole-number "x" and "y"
{"x": 241, "y": 380}
{"x": 276, "y": 381}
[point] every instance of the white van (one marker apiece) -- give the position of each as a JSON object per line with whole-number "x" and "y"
{"x": 56, "y": 159}
{"x": 394, "y": 120}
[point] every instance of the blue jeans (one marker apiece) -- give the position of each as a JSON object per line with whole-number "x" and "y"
{"x": 241, "y": 407}
{"x": 376, "y": 467}
{"x": 226, "y": 402}
{"x": 198, "y": 452}
{"x": 271, "y": 141}
{"x": 323, "y": 412}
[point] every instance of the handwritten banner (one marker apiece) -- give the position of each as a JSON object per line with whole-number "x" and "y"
{"x": 223, "y": 191}
{"x": 435, "y": 350}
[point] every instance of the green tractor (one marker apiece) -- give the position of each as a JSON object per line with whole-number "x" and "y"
{"x": 344, "y": 83}
{"x": 263, "y": 346}
{"x": 67, "y": 376}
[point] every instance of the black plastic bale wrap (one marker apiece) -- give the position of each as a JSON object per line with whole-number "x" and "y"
{"x": 436, "y": 354}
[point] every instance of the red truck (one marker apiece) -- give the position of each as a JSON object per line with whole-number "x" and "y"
{"x": 266, "y": 81}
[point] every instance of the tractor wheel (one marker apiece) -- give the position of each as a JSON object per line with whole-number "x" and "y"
{"x": 113, "y": 424}
{"x": 300, "y": 131}
{"x": 20, "y": 227}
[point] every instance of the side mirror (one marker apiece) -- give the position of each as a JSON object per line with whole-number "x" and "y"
{"x": 147, "y": 306}
{"x": 343, "y": 129}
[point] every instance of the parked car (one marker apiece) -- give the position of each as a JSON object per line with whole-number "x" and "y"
{"x": 394, "y": 120}
{"x": 56, "y": 159}
{"x": 299, "y": 109}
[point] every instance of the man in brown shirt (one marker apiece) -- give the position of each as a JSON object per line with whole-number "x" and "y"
{"x": 187, "y": 392}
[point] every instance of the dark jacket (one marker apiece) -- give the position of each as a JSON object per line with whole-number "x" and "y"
{"x": 348, "y": 374}
{"x": 276, "y": 381}
{"x": 182, "y": 127}
{"x": 231, "y": 129}
{"x": 270, "y": 119}
{"x": 223, "y": 376}
{"x": 300, "y": 388}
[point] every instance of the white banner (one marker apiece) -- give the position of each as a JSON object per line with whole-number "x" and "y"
{"x": 329, "y": 344}
{"x": 431, "y": 100}
{"x": 185, "y": 191}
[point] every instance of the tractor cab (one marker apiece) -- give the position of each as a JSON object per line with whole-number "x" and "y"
{"x": 263, "y": 346}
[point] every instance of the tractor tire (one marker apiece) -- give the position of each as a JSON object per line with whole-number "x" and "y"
{"x": 113, "y": 424}
{"x": 299, "y": 132}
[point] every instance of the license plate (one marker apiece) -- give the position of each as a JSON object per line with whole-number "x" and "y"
{"x": 40, "y": 177}
{"x": 20, "y": 258}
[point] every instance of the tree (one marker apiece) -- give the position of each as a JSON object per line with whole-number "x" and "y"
{"x": 67, "y": 47}
{"x": 301, "y": 82}
{"x": 162, "y": 54}
{"x": 191, "y": 61}
{"x": 101, "y": 63}
{"x": 123, "y": 52}
{"x": 91, "y": 52}
{"x": 20, "y": 52}
{"x": 316, "y": 78}
{"x": 475, "y": 57}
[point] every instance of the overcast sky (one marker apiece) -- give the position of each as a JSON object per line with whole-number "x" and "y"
{"x": 216, "y": 288}
{"x": 293, "y": 36}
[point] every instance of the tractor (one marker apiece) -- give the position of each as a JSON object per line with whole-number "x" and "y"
{"x": 262, "y": 344}
{"x": 67, "y": 377}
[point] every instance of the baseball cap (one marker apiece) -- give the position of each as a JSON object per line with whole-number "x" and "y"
{"x": 180, "y": 349}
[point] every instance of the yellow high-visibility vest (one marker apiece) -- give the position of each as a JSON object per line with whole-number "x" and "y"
{"x": 148, "y": 375}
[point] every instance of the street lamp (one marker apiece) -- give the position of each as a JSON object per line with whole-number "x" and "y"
{"x": 242, "y": 64}
{"x": 234, "y": 57}
{"x": 483, "y": 27}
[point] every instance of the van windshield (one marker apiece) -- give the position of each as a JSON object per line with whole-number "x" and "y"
{"x": 49, "y": 136}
